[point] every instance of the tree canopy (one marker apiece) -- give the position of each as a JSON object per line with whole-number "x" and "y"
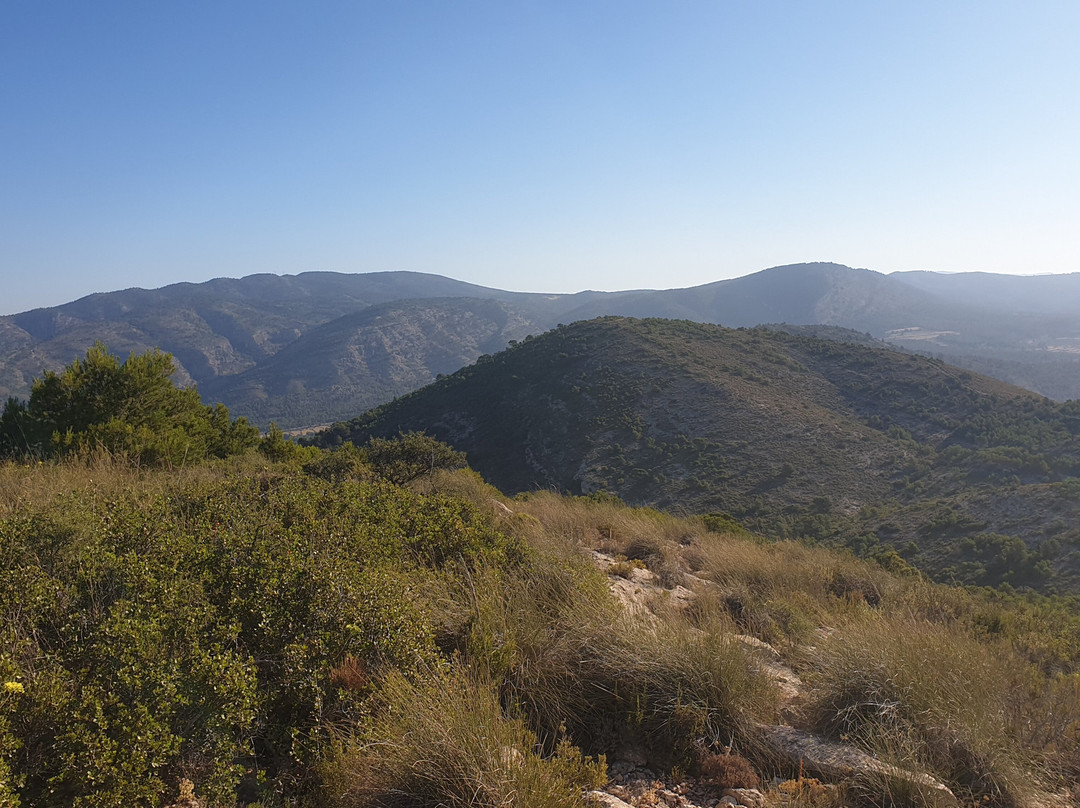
{"x": 130, "y": 408}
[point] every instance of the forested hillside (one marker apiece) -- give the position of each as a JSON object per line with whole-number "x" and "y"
{"x": 794, "y": 436}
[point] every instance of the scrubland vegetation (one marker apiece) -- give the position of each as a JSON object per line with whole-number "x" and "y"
{"x": 377, "y": 626}
{"x": 304, "y": 632}
{"x": 850, "y": 445}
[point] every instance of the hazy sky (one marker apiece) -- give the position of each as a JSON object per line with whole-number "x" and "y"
{"x": 539, "y": 146}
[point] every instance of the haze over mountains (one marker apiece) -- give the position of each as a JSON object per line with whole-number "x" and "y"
{"x": 318, "y": 347}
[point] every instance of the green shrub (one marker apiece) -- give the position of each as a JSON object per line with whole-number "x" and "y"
{"x": 275, "y": 446}
{"x": 410, "y": 456}
{"x": 130, "y": 408}
{"x": 201, "y": 632}
{"x": 343, "y": 463}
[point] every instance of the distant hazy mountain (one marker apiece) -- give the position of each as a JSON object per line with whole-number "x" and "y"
{"x": 820, "y": 293}
{"x": 797, "y": 436}
{"x": 299, "y": 350}
{"x": 1031, "y": 294}
{"x": 361, "y": 360}
{"x": 224, "y": 327}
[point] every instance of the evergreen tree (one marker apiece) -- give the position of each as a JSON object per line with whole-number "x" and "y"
{"x": 130, "y": 408}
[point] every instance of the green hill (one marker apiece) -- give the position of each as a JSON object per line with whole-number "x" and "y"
{"x": 968, "y": 477}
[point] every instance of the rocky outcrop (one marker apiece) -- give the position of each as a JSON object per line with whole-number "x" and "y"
{"x": 795, "y": 748}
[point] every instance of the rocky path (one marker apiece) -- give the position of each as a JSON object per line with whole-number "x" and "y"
{"x": 825, "y": 765}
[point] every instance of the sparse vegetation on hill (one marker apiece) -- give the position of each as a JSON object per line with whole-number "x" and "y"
{"x": 793, "y": 436}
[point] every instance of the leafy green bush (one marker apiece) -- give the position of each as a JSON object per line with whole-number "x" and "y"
{"x": 274, "y": 446}
{"x": 411, "y": 455}
{"x": 196, "y": 633}
{"x": 128, "y": 408}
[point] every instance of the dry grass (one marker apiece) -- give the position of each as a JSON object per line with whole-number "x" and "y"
{"x": 806, "y": 792}
{"x": 568, "y": 656}
{"x": 928, "y": 698}
{"x": 563, "y": 651}
{"x": 777, "y": 591}
{"x": 26, "y": 486}
{"x": 446, "y": 741}
{"x": 608, "y": 526}
{"x": 728, "y": 771}
{"x": 893, "y": 666}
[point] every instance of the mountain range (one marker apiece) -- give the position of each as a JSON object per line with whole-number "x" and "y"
{"x": 318, "y": 347}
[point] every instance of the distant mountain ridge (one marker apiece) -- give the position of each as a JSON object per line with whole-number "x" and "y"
{"x": 1034, "y": 294}
{"x": 288, "y": 348}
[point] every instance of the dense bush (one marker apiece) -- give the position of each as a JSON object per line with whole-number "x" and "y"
{"x": 130, "y": 408}
{"x": 409, "y": 456}
{"x": 196, "y": 633}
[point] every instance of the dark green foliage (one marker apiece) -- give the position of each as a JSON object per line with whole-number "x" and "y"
{"x": 14, "y": 440}
{"x": 410, "y": 456}
{"x": 128, "y": 408}
{"x": 274, "y": 446}
{"x": 720, "y": 522}
{"x": 345, "y": 462}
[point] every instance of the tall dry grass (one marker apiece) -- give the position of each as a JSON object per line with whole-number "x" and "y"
{"x": 780, "y": 592}
{"x": 446, "y": 740}
{"x": 928, "y": 698}
{"x": 38, "y": 483}
{"x": 566, "y": 655}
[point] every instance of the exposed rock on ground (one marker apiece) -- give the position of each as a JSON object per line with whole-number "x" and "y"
{"x": 790, "y": 748}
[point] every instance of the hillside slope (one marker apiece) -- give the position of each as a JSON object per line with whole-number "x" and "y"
{"x": 361, "y": 360}
{"x": 794, "y": 435}
{"x": 224, "y": 326}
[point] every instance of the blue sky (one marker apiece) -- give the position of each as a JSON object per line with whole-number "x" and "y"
{"x": 539, "y": 146}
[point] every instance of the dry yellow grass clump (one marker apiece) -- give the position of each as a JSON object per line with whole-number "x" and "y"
{"x": 977, "y": 688}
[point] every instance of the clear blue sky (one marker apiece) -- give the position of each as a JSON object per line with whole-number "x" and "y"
{"x": 541, "y": 146}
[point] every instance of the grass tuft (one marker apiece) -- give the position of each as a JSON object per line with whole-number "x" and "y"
{"x": 446, "y": 741}
{"x": 926, "y": 698}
